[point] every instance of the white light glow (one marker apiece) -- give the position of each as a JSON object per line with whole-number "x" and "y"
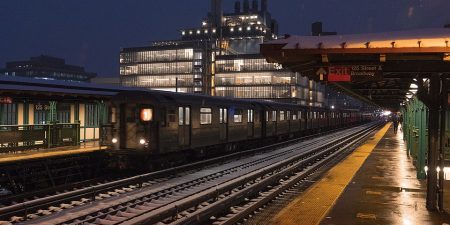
{"x": 387, "y": 113}
{"x": 142, "y": 141}
{"x": 114, "y": 140}
{"x": 332, "y": 107}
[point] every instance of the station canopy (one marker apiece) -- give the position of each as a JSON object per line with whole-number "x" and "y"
{"x": 380, "y": 68}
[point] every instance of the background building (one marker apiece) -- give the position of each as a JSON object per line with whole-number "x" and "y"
{"x": 47, "y": 68}
{"x": 221, "y": 57}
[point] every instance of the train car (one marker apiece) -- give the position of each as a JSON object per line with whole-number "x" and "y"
{"x": 170, "y": 126}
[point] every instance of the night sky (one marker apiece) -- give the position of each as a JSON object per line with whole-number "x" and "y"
{"x": 90, "y": 33}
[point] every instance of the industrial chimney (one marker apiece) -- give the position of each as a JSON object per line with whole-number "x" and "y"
{"x": 264, "y": 5}
{"x": 246, "y": 6}
{"x": 255, "y": 6}
{"x": 237, "y": 7}
{"x": 216, "y": 13}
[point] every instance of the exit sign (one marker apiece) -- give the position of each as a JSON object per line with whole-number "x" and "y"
{"x": 350, "y": 73}
{"x": 339, "y": 74}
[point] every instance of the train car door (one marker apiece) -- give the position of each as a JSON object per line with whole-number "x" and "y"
{"x": 184, "y": 126}
{"x": 128, "y": 138}
{"x": 264, "y": 118}
{"x": 223, "y": 124}
{"x": 250, "y": 123}
{"x": 123, "y": 126}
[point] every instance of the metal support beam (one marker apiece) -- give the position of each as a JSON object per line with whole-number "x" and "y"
{"x": 429, "y": 98}
{"x": 444, "y": 103}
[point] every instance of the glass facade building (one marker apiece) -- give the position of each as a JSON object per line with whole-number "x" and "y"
{"x": 47, "y": 68}
{"x": 221, "y": 58}
{"x": 175, "y": 66}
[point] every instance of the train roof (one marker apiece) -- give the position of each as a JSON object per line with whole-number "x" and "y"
{"x": 186, "y": 98}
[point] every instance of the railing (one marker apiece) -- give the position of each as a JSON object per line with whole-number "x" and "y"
{"x": 15, "y": 138}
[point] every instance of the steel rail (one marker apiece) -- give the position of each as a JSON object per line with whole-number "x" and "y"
{"x": 24, "y": 208}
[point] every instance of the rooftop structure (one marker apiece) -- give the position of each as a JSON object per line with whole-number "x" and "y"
{"x": 47, "y": 68}
{"x": 220, "y": 57}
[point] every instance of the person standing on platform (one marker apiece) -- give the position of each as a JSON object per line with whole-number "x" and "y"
{"x": 395, "y": 123}
{"x": 400, "y": 121}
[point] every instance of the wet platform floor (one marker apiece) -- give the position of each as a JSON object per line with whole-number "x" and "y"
{"x": 385, "y": 191}
{"x": 375, "y": 184}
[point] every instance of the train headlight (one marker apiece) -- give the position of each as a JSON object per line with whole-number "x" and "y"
{"x": 114, "y": 140}
{"x": 142, "y": 141}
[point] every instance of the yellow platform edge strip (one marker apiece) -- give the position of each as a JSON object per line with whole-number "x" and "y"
{"x": 39, "y": 155}
{"x": 313, "y": 205}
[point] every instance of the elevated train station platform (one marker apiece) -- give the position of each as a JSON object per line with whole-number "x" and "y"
{"x": 376, "y": 184}
{"x": 84, "y": 148}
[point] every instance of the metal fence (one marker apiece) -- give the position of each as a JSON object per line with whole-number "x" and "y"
{"x": 15, "y": 138}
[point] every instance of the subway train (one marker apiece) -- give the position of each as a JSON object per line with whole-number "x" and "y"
{"x": 166, "y": 127}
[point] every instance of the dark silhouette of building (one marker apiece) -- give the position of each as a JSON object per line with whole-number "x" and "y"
{"x": 47, "y": 68}
{"x": 316, "y": 30}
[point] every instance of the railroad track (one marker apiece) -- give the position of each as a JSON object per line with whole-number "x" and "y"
{"x": 88, "y": 185}
{"x": 176, "y": 198}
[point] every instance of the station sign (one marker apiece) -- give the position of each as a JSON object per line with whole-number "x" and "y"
{"x": 350, "y": 73}
{"x": 6, "y": 100}
{"x": 41, "y": 107}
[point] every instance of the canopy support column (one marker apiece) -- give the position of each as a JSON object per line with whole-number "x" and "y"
{"x": 444, "y": 103}
{"x": 429, "y": 98}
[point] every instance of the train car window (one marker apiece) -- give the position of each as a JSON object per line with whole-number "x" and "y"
{"x": 238, "y": 116}
{"x": 180, "y": 116}
{"x": 274, "y": 116}
{"x": 187, "y": 117}
{"x": 223, "y": 114}
{"x": 146, "y": 114}
{"x": 250, "y": 118}
{"x": 281, "y": 115}
{"x": 299, "y": 115}
{"x": 288, "y": 115}
{"x": 267, "y": 116}
{"x": 294, "y": 116}
{"x": 113, "y": 114}
{"x": 205, "y": 116}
